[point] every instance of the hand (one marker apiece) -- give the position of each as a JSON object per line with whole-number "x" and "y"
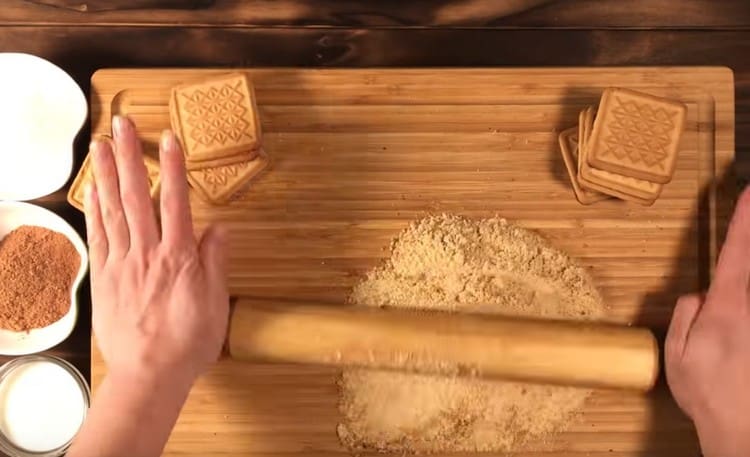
{"x": 708, "y": 348}
{"x": 160, "y": 301}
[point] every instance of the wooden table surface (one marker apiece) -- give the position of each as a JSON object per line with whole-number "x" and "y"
{"x": 82, "y": 37}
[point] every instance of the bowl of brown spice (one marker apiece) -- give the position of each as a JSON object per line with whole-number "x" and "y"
{"x": 43, "y": 261}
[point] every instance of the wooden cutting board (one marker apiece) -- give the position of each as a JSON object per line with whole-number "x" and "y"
{"x": 359, "y": 154}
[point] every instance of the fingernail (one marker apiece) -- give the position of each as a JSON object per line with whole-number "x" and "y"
{"x": 94, "y": 147}
{"x": 119, "y": 126}
{"x": 168, "y": 142}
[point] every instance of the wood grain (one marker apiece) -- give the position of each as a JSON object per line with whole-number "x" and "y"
{"x": 358, "y": 154}
{"x": 634, "y": 14}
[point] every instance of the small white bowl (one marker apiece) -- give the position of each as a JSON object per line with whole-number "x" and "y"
{"x": 12, "y": 216}
{"x": 41, "y": 111}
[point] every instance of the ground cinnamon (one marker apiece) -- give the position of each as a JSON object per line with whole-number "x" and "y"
{"x": 37, "y": 270}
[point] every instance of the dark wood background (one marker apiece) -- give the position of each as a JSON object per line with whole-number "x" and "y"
{"x": 83, "y": 36}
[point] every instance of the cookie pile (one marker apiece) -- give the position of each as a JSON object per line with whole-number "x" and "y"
{"x": 217, "y": 123}
{"x": 218, "y": 126}
{"x": 628, "y": 150}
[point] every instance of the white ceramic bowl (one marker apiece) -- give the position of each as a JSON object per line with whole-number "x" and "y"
{"x": 12, "y": 216}
{"x": 41, "y": 111}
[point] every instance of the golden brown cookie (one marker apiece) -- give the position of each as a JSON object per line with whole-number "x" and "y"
{"x": 215, "y": 119}
{"x": 637, "y": 135}
{"x": 223, "y": 161}
{"x": 582, "y": 136}
{"x": 218, "y": 184}
{"x": 604, "y": 181}
{"x": 569, "y": 148}
{"x": 592, "y": 186}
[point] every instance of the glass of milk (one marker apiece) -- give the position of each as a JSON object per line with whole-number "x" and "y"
{"x": 43, "y": 402}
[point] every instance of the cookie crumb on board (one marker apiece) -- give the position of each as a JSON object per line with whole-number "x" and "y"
{"x": 456, "y": 264}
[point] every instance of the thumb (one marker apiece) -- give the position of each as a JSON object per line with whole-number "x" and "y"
{"x": 683, "y": 317}
{"x": 214, "y": 255}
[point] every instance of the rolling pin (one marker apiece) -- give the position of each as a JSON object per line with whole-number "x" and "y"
{"x": 555, "y": 352}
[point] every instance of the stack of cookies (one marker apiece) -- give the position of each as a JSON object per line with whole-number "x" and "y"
{"x": 628, "y": 150}
{"x": 218, "y": 126}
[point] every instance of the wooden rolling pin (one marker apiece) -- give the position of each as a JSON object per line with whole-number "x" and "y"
{"x": 556, "y": 352}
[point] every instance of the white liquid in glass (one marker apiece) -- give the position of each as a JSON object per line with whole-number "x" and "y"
{"x": 41, "y": 406}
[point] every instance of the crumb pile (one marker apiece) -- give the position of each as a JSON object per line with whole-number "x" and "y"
{"x": 490, "y": 266}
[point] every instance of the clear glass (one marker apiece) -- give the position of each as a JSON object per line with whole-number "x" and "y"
{"x": 7, "y": 446}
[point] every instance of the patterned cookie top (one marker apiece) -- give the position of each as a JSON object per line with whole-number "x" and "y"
{"x": 634, "y": 186}
{"x": 216, "y": 118}
{"x": 637, "y": 135}
{"x": 218, "y": 184}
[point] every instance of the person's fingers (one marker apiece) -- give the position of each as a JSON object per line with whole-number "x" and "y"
{"x": 686, "y": 312}
{"x": 733, "y": 267}
{"x": 684, "y": 315}
{"x": 133, "y": 180}
{"x": 97, "y": 238}
{"x": 176, "y": 219}
{"x": 214, "y": 254}
{"x": 108, "y": 193}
